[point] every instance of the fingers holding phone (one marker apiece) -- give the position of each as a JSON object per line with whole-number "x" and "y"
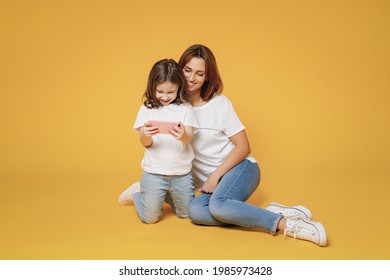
{"x": 182, "y": 133}
{"x": 149, "y": 129}
{"x": 177, "y": 131}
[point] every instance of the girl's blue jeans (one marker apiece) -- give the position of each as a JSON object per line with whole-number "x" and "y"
{"x": 227, "y": 206}
{"x": 154, "y": 188}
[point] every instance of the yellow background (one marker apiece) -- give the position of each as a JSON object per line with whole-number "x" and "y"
{"x": 309, "y": 79}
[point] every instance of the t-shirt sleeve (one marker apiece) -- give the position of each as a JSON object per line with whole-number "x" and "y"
{"x": 142, "y": 118}
{"x": 233, "y": 124}
{"x": 190, "y": 119}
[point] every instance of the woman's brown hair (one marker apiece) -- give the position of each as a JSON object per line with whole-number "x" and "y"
{"x": 166, "y": 70}
{"x": 213, "y": 83}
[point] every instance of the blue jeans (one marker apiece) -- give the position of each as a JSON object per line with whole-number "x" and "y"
{"x": 226, "y": 205}
{"x": 154, "y": 187}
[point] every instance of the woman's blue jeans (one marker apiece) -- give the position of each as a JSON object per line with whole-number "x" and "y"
{"x": 227, "y": 206}
{"x": 154, "y": 189}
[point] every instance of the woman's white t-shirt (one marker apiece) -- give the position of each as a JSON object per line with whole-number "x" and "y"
{"x": 217, "y": 123}
{"x": 167, "y": 156}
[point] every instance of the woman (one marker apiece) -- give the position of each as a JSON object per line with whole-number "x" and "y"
{"x": 223, "y": 169}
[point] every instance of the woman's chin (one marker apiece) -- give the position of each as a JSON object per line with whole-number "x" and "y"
{"x": 193, "y": 90}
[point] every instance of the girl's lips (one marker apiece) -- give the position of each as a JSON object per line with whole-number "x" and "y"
{"x": 165, "y": 102}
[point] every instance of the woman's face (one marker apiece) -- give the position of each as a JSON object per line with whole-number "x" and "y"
{"x": 195, "y": 73}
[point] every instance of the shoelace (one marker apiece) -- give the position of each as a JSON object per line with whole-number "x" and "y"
{"x": 299, "y": 229}
{"x": 292, "y": 231}
{"x": 292, "y": 214}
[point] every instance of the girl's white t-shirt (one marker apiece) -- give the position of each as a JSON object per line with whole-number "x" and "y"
{"x": 218, "y": 122}
{"x": 167, "y": 156}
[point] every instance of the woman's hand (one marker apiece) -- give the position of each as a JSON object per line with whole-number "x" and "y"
{"x": 211, "y": 184}
{"x": 240, "y": 151}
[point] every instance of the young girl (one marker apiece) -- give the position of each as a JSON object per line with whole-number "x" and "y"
{"x": 168, "y": 157}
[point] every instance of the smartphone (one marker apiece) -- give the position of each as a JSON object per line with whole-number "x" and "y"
{"x": 164, "y": 126}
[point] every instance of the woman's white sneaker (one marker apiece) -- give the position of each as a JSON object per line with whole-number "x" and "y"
{"x": 126, "y": 198}
{"x": 292, "y": 212}
{"x": 306, "y": 230}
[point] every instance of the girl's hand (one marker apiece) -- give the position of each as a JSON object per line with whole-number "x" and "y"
{"x": 179, "y": 133}
{"x": 149, "y": 130}
{"x": 210, "y": 185}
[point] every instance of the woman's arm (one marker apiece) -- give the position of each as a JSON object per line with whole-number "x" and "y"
{"x": 240, "y": 151}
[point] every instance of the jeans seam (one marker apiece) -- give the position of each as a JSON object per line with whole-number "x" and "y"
{"x": 178, "y": 207}
{"x": 225, "y": 198}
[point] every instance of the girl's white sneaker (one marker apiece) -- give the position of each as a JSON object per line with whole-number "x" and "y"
{"x": 292, "y": 212}
{"x": 126, "y": 197}
{"x": 306, "y": 230}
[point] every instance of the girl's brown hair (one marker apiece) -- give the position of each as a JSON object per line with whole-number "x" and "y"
{"x": 166, "y": 70}
{"x": 213, "y": 83}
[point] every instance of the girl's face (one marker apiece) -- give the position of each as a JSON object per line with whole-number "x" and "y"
{"x": 166, "y": 92}
{"x": 195, "y": 73}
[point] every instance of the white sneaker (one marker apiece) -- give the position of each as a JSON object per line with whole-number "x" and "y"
{"x": 292, "y": 212}
{"x": 306, "y": 230}
{"x": 126, "y": 198}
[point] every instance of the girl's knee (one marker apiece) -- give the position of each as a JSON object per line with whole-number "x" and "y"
{"x": 181, "y": 206}
{"x": 150, "y": 219}
{"x": 150, "y": 216}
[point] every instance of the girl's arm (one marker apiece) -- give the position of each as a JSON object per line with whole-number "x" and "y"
{"x": 187, "y": 135}
{"x": 240, "y": 151}
{"x": 145, "y": 134}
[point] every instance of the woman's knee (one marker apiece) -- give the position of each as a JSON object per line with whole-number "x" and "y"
{"x": 193, "y": 208}
{"x": 218, "y": 209}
